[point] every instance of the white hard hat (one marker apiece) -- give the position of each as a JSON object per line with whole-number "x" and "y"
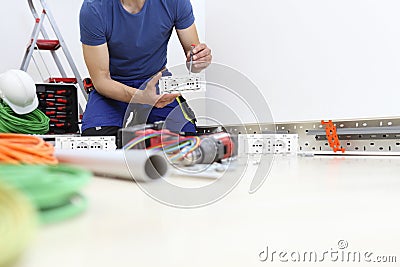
{"x": 18, "y": 90}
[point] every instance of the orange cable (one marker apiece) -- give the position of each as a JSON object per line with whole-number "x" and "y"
{"x": 27, "y": 149}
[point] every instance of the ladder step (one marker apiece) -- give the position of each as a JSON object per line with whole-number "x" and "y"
{"x": 61, "y": 80}
{"x": 46, "y": 44}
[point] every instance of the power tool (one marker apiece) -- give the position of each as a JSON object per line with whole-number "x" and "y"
{"x": 213, "y": 147}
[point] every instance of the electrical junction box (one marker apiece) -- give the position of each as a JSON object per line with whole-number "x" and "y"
{"x": 172, "y": 84}
{"x": 264, "y": 144}
{"x": 86, "y": 143}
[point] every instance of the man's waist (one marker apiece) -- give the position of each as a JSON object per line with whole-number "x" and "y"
{"x": 137, "y": 78}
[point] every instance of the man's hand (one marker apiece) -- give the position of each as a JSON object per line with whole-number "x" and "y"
{"x": 201, "y": 57}
{"x": 201, "y": 53}
{"x": 149, "y": 94}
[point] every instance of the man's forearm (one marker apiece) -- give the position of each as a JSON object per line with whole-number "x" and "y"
{"x": 117, "y": 91}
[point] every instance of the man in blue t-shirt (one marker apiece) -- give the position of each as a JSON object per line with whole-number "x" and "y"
{"x": 125, "y": 47}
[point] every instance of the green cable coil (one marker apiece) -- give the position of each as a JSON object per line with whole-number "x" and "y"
{"x": 18, "y": 223}
{"x": 54, "y": 190}
{"x": 35, "y": 122}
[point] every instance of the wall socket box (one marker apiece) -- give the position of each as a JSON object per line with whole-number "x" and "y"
{"x": 86, "y": 143}
{"x": 263, "y": 144}
{"x": 171, "y": 84}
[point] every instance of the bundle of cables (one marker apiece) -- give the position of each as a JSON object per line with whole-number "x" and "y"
{"x": 35, "y": 122}
{"x": 17, "y": 148}
{"x": 174, "y": 145}
{"x": 30, "y": 177}
{"x": 18, "y": 223}
{"x": 53, "y": 190}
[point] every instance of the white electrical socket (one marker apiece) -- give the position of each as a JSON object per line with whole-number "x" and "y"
{"x": 262, "y": 144}
{"x": 171, "y": 84}
{"x": 255, "y": 146}
{"x": 86, "y": 143}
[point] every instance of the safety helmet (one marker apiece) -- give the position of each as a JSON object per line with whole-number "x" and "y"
{"x": 18, "y": 90}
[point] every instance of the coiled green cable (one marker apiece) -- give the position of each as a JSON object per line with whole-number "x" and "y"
{"x": 35, "y": 122}
{"x": 54, "y": 190}
{"x": 18, "y": 222}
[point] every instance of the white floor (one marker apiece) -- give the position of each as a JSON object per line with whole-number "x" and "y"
{"x": 306, "y": 205}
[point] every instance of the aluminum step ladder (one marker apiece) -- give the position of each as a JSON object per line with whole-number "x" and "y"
{"x": 51, "y": 45}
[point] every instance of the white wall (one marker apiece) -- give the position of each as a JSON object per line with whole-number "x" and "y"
{"x": 16, "y": 24}
{"x": 313, "y": 59}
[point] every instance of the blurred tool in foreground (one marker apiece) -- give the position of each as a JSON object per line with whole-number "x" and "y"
{"x": 18, "y": 222}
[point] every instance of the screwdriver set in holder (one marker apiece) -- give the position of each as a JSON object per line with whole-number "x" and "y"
{"x": 59, "y": 101}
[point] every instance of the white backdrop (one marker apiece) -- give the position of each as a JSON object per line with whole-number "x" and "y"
{"x": 313, "y": 59}
{"x": 16, "y": 24}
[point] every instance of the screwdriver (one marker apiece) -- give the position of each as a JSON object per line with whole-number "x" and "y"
{"x": 63, "y": 117}
{"x": 191, "y": 58}
{"x": 57, "y": 120}
{"x": 54, "y": 101}
{"x": 59, "y": 108}
{"x": 51, "y": 104}
{"x": 44, "y": 96}
{"x": 60, "y": 125}
{"x": 53, "y": 113}
{"x": 58, "y": 100}
{"x": 57, "y": 92}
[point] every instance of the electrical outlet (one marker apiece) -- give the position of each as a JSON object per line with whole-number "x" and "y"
{"x": 171, "y": 84}
{"x": 282, "y": 145}
{"x": 262, "y": 144}
{"x": 255, "y": 146}
{"x": 80, "y": 145}
{"x": 96, "y": 145}
{"x": 86, "y": 143}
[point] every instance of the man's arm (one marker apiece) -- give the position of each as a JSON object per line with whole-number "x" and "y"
{"x": 97, "y": 62}
{"x": 201, "y": 52}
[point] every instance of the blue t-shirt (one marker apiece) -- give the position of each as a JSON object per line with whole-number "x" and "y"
{"x": 137, "y": 45}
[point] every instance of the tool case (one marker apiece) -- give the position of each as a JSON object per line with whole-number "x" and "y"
{"x": 59, "y": 101}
